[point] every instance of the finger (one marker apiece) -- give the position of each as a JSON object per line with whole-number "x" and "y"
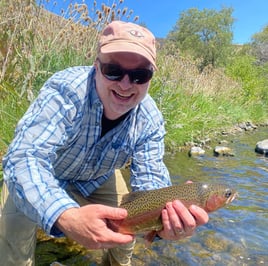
{"x": 167, "y": 231}
{"x": 186, "y": 218}
{"x": 165, "y": 221}
{"x": 107, "y": 239}
{"x": 108, "y": 244}
{"x": 113, "y": 213}
{"x": 201, "y": 216}
{"x": 112, "y": 239}
{"x": 175, "y": 221}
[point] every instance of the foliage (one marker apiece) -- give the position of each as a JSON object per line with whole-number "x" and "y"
{"x": 205, "y": 34}
{"x": 195, "y": 104}
{"x": 253, "y": 78}
{"x": 260, "y": 45}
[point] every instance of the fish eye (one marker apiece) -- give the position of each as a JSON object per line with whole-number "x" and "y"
{"x": 228, "y": 193}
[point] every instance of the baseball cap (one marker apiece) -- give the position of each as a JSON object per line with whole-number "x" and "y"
{"x": 120, "y": 36}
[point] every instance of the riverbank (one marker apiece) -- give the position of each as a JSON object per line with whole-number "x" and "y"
{"x": 219, "y": 136}
{"x": 197, "y": 106}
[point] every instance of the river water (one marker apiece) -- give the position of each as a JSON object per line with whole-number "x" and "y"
{"x": 234, "y": 235}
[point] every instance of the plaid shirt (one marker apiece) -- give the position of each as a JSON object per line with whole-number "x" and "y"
{"x": 58, "y": 141}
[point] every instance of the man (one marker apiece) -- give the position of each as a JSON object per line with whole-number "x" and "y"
{"x": 87, "y": 122}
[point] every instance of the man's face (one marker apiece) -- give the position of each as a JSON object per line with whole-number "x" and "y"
{"x": 118, "y": 97}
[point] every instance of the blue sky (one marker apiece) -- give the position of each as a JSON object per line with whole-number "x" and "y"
{"x": 161, "y": 16}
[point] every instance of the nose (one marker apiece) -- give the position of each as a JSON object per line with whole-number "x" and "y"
{"x": 125, "y": 83}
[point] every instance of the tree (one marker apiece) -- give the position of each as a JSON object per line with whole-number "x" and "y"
{"x": 207, "y": 35}
{"x": 260, "y": 45}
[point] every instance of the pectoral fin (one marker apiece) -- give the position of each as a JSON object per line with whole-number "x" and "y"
{"x": 149, "y": 238}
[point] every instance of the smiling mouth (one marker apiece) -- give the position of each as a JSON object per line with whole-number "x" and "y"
{"x": 122, "y": 97}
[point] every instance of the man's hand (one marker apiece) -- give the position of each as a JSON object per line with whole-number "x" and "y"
{"x": 87, "y": 226}
{"x": 180, "y": 222}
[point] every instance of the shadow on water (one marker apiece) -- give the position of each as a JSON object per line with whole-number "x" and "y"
{"x": 235, "y": 235}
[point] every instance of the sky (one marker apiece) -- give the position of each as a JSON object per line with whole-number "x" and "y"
{"x": 160, "y": 16}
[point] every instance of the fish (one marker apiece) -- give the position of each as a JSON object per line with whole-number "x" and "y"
{"x": 144, "y": 207}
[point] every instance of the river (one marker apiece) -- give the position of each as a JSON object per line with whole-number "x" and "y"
{"x": 234, "y": 235}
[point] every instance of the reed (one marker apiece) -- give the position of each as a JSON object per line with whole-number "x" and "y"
{"x": 34, "y": 43}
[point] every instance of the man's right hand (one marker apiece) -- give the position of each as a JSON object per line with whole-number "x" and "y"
{"x": 87, "y": 225}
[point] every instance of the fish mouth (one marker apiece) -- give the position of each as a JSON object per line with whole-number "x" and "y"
{"x": 230, "y": 199}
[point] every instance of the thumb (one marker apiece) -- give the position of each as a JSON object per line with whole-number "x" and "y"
{"x": 113, "y": 213}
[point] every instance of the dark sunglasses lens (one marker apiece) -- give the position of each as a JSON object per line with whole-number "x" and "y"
{"x": 112, "y": 72}
{"x": 140, "y": 76}
{"x": 116, "y": 73}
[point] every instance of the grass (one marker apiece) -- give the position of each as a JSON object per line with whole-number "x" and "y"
{"x": 197, "y": 106}
{"x": 35, "y": 43}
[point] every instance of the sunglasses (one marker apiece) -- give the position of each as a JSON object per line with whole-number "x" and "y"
{"x": 115, "y": 72}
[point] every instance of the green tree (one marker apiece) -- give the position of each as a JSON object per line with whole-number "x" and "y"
{"x": 205, "y": 34}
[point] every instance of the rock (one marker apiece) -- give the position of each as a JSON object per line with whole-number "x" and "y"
{"x": 222, "y": 150}
{"x": 223, "y": 142}
{"x": 196, "y": 151}
{"x": 214, "y": 242}
{"x": 56, "y": 263}
{"x": 247, "y": 126}
{"x": 262, "y": 147}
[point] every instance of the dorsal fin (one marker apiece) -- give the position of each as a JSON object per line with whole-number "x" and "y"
{"x": 131, "y": 196}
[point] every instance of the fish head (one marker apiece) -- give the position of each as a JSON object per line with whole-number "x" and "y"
{"x": 219, "y": 197}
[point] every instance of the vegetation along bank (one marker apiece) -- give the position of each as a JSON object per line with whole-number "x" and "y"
{"x": 205, "y": 85}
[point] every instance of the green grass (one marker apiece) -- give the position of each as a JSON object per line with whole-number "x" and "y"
{"x": 195, "y": 105}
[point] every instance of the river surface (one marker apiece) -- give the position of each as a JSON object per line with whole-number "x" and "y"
{"x": 234, "y": 235}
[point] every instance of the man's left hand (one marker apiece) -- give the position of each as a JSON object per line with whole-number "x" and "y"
{"x": 179, "y": 221}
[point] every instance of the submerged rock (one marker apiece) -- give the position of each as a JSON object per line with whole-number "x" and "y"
{"x": 196, "y": 151}
{"x": 223, "y": 150}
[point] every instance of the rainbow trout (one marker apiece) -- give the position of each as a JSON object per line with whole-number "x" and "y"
{"x": 145, "y": 207}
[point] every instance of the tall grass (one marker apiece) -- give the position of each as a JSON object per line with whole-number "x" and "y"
{"x": 35, "y": 43}
{"x": 196, "y": 106}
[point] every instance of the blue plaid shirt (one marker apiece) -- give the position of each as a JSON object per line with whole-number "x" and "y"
{"x": 58, "y": 141}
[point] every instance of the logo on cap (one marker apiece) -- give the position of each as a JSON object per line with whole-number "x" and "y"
{"x": 136, "y": 33}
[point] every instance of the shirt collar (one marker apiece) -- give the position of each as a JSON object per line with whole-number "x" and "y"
{"x": 92, "y": 90}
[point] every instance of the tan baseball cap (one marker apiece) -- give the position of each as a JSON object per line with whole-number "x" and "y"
{"x": 120, "y": 36}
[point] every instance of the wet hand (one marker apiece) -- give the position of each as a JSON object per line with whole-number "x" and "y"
{"x": 180, "y": 222}
{"x": 87, "y": 225}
